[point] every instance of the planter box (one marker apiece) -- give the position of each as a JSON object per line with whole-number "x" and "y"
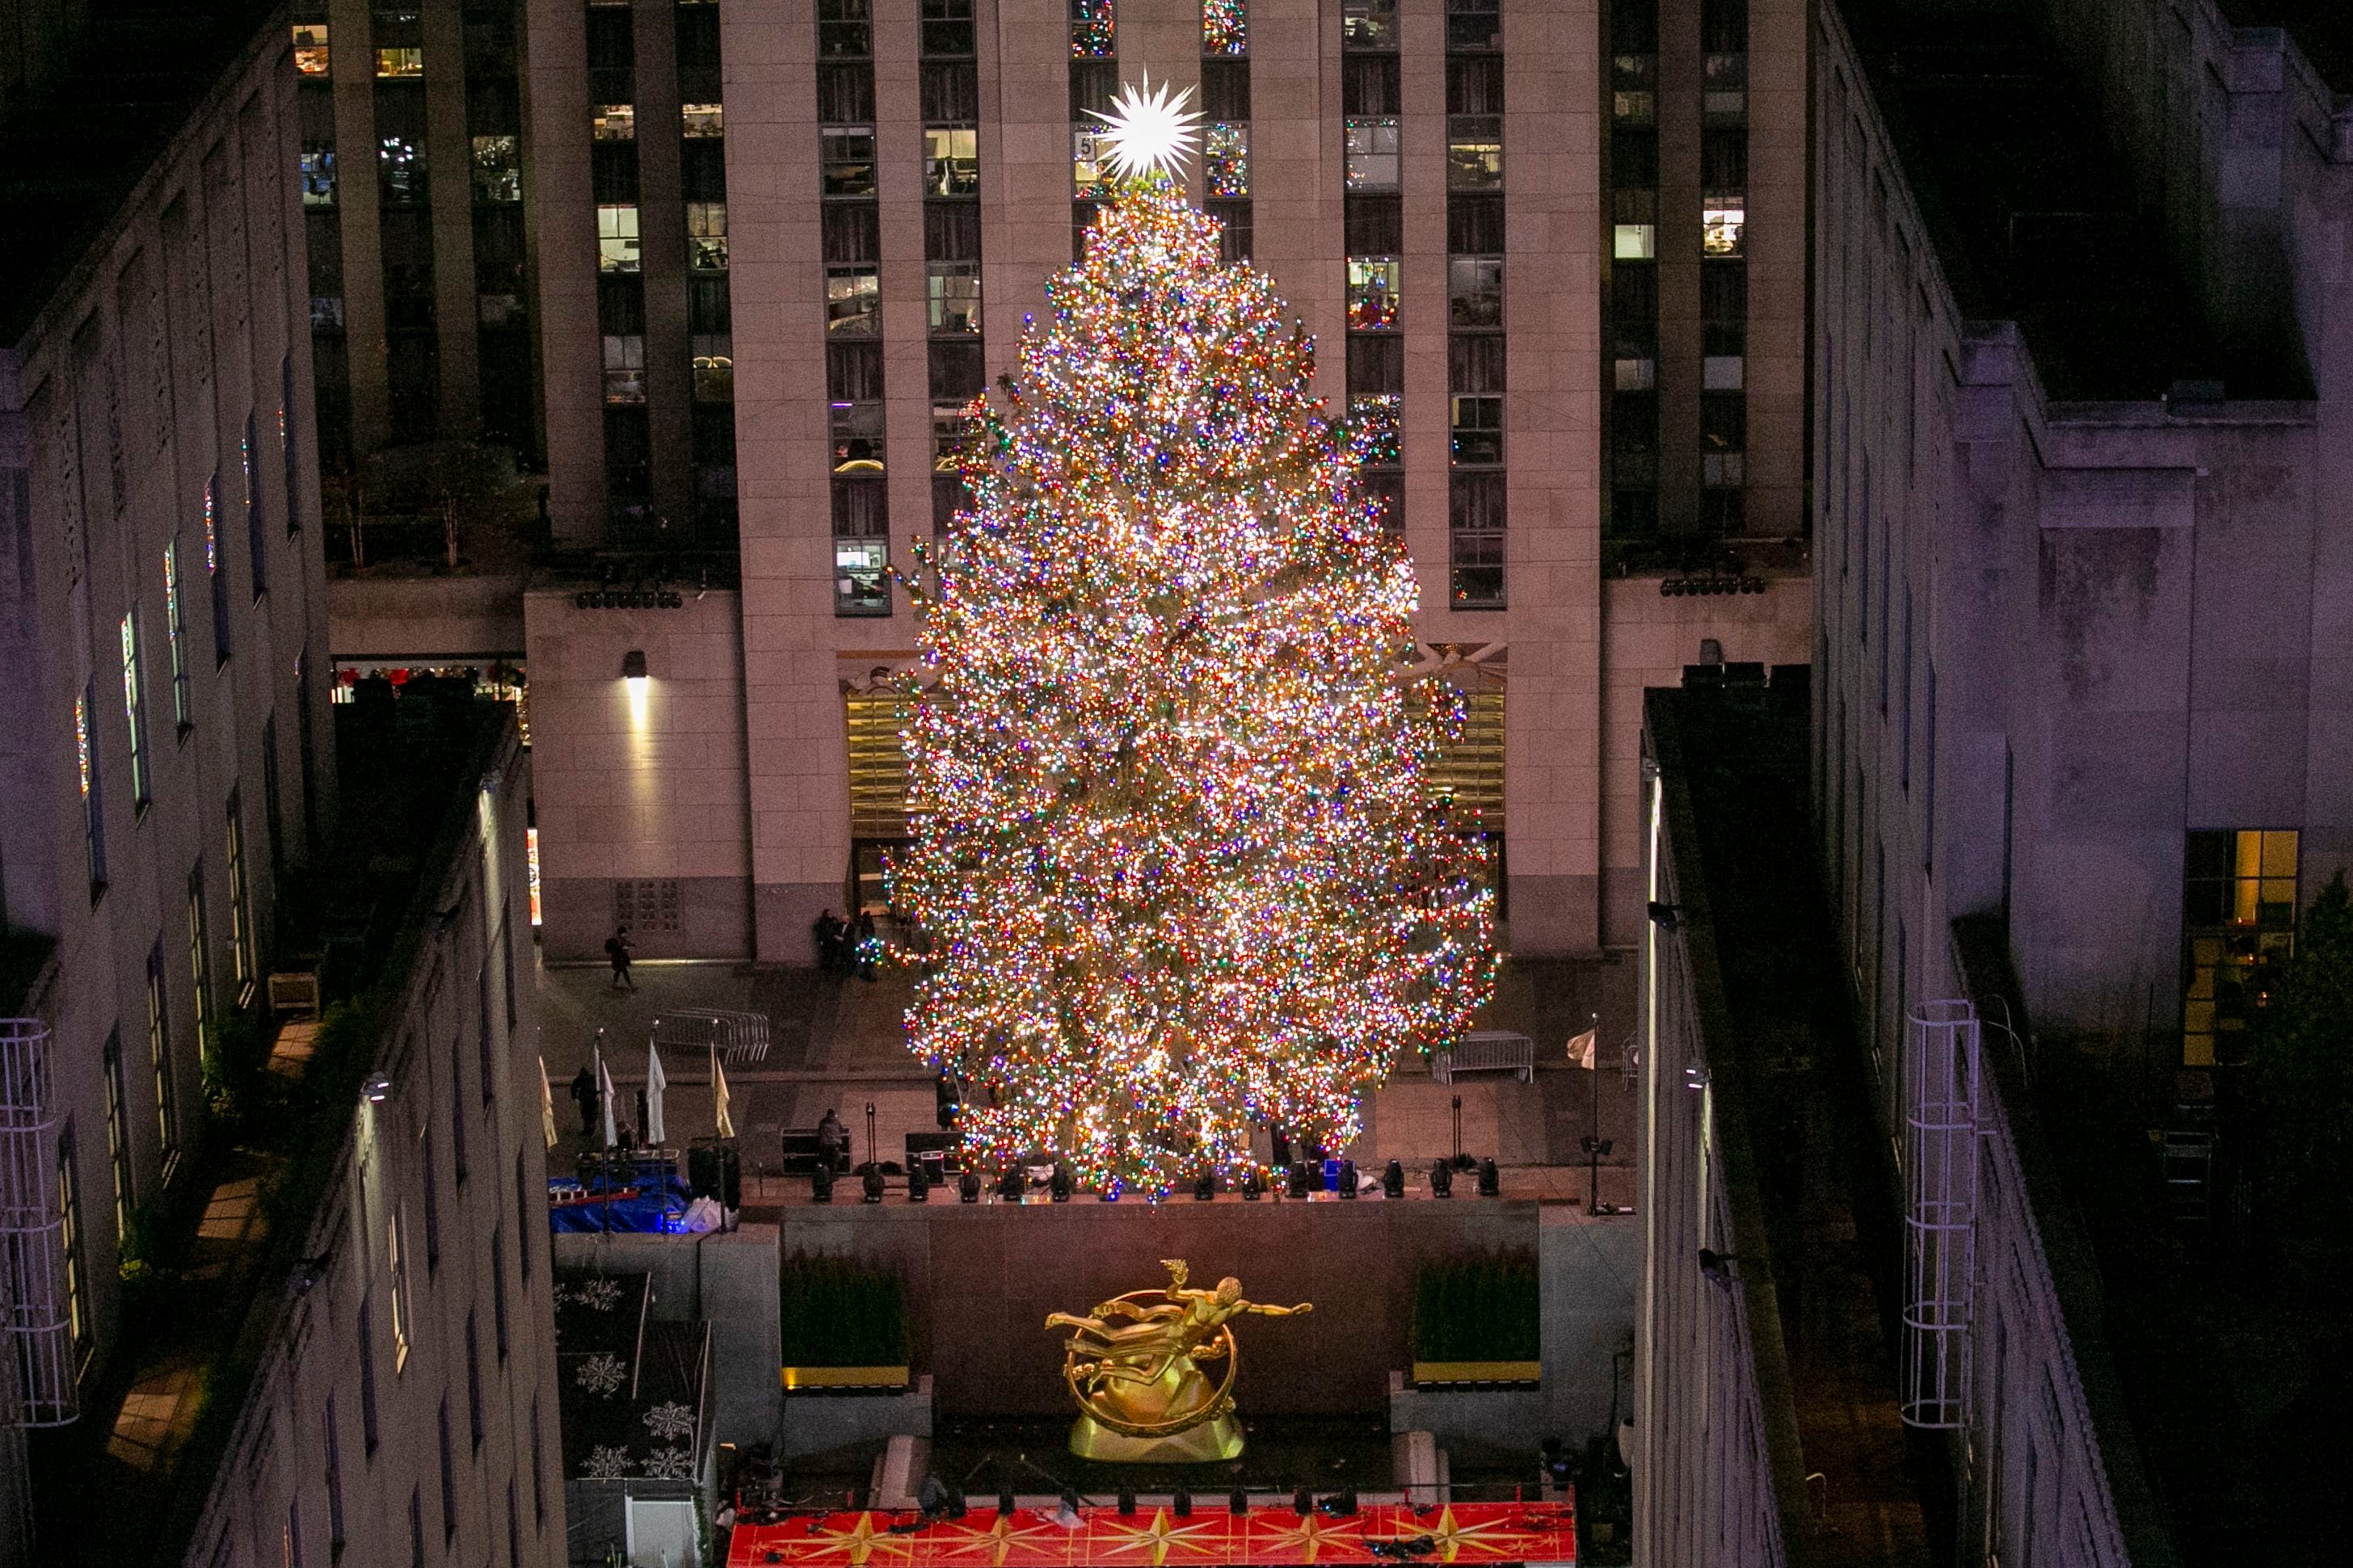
{"x": 1481, "y": 1421}
{"x": 834, "y": 1379}
{"x": 851, "y": 1419}
{"x": 1427, "y": 1374}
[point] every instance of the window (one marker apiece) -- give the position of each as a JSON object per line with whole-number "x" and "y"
{"x": 955, "y": 297}
{"x": 1091, "y": 174}
{"x": 134, "y": 710}
{"x": 617, "y": 237}
{"x": 183, "y": 715}
{"x": 950, "y": 431}
{"x": 318, "y": 177}
{"x": 1634, "y": 88}
{"x": 2238, "y": 923}
{"x": 241, "y": 934}
{"x": 1477, "y": 427}
{"x": 200, "y": 962}
{"x": 853, "y": 302}
{"x": 714, "y": 367}
{"x": 1374, "y": 422}
{"x": 404, "y": 1316}
{"x": 1724, "y": 85}
{"x": 1225, "y": 158}
{"x": 1474, "y": 291}
{"x": 409, "y": 62}
{"x": 862, "y": 547}
{"x": 1475, "y": 539}
{"x": 1634, "y": 226}
{"x": 326, "y": 313}
{"x": 1474, "y": 153}
{"x": 1225, "y": 27}
{"x": 946, "y": 27}
{"x": 1474, "y": 24}
{"x": 1094, "y": 28}
{"x": 473, "y": 1384}
{"x": 1723, "y": 441}
{"x": 699, "y": 119}
{"x": 287, "y": 447}
{"x": 367, "y": 1377}
{"x": 706, "y": 236}
{"x": 498, "y": 1290}
{"x": 256, "y": 538}
{"x": 213, "y": 571}
{"x": 310, "y": 48}
{"x": 1234, "y": 228}
{"x": 1373, "y": 293}
{"x": 498, "y": 170}
{"x": 613, "y": 122}
{"x": 400, "y": 170}
{"x": 951, "y": 161}
{"x": 1723, "y": 214}
{"x": 624, "y": 367}
{"x": 118, "y": 1135}
{"x": 335, "y": 1472}
{"x": 1368, "y": 24}
{"x": 69, "y": 1241}
{"x": 93, "y": 808}
{"x": 1372, "y": 153}
{"x": 159, "y": 1054}
{"x": 416, "y": 1524}
{"x": 843, "y": 29}
{"x": 429, "y": 1179}
{"x": 845, "y": 160}
{"x": 291, "y": 1551}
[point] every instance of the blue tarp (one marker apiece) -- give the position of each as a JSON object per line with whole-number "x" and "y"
{"x": 657, "y": 1202}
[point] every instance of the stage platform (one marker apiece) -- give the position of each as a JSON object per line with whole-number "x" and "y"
{"x": 1154, "y": 1537}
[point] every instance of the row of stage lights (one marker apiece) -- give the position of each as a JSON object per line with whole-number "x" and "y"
{"x": 1299, "y": 1181}
{"x": 945, "y": 1499}
{"x": 629, "y": 599}
{"x": 1713, "y": 582}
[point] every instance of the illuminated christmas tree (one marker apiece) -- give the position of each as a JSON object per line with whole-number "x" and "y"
{"x": 1178, "y": 867}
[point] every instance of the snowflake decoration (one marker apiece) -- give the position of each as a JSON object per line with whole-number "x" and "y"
{"x": 1148, "y": 132}
{"x": 606, "y": 1462}
{"x": 601, "y": 1374}
{"x": 670, "y": 1422}
{"x": 599, "y": 1295}
{"x": 671, "y": 1464}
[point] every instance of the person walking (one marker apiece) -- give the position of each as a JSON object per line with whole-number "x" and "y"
{"x": 617, "y": 948}
{"x": 589, "y": 1098}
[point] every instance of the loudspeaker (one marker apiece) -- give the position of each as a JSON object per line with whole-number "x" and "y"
{"x": 1252, "y": 1184}
{"x": 1060, "y": 1188}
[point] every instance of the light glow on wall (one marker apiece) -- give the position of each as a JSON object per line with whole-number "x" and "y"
{"x": 531, "y": 865}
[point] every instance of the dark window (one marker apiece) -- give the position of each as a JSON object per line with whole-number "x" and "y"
{"x": 524, "y": 1211}
{"x": 1376, "y": 362}
{"x": 457, "y": 1149}
{"x": 429, "y": 1172}
{"x": 334, "y": 1482}
{"x": 613, "y": 171}
{"x": 851, "y": 232}
{"x": 957, "y": 372}
{"x": 473, "y": 1383}
{"x": 1093, "y": 84}
{"x": 845, "y": 95}
{"x": 1226, "y": 89}
{"x": 1234, "y": 241}
{"x": 950, "y": 231}
{"x": 950, "y": 93}
{"x": 1474, "y": 84}
{"x": 367, "y": 1377}
{"x": 538, "y": 1460}
{"x": 1369, "y": 84}
{"x": 514, "y": 1529}
{"x": 843, "y": 29}
{"x": 1633, "y": 159}
{"x": 1474, "y": 363}
{"x": 1375, "y": 225}
{"x": 1474, "y": 224}
{"x": 702, "y": 170}
{"x": 417, "y": 1504}
{"x": 947, "y": 27}
{"x": 448, "y": 1475}
{"x": 216, "y": 569}
{"x": 853, "y": 372}
{"x": 498, "y": 1290}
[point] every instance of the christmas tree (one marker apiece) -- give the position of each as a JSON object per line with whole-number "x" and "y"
{"x": 1179, "y": 870}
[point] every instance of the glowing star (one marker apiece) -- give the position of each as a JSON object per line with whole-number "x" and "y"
{"x": 1148, "y": 132}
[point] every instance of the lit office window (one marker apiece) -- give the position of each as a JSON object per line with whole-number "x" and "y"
{"x": 624, "y": 367}
{"x": 405, "y": 62}
{"x": 613, "y": 122}
{"x": 856, "y": 430}
{"x": 1373, "y": 293}
{"x": 853, "y": 302}
{"x": 697, "y": 119}
{"x": 845, "y": 160}
{"x": 1723, "y": 215}
{"x": 1091, "y": 174}
{"x": 2238, "y": 924}
{"x": 954, "y": 288}
{"x": 617, "y": 237}
{"x": 318, "y": 177}
{"x": 951, "y": 161}
{"x": 1368, "y": 24}
{"x": 714, "y": 367}
{"x": 498, "y": 170}
{"x": 134, "y": 710}
{"x": 1634, "y": 226}
{"x": 310, "y": 48}
{"x": 1474, "y": 291}
{"x": 1372, "y": 153}
{"x": 1474, "y": 153}
{"x": 706, "y": 236}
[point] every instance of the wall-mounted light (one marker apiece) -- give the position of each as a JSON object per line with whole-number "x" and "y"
{"x": 633, "y": 665}
{"x": 633, "y": 677}
{"x": 379, "y": 1090}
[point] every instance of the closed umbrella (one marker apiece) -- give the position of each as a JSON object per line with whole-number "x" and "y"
{"x": 605, "y": 1083}
{"x": 656, "y": 1134}
{"x": 726, "y": 1123}
{"x": 546, "y": 1106}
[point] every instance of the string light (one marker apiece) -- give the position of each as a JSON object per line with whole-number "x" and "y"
{"x": 1177, "y": 865}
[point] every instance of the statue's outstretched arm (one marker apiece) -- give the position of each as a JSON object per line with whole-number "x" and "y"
{"x": 1266, "y": 1311}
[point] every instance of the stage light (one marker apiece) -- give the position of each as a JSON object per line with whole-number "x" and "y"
{"x": 1238, "y": 1502}
{"x": 968, "y": 1187}
{"x": 1441, "y": 1180}
{"x": 1181, "y": 1505}
{"x": 1490, "y": 1181}
{"x": 1253, "y": 1184}
{"x": 379, "y": 1090}
{"x": 1126, "y": 1503}
{"x": 873, "y": 1183}
{"x": 1302, "y": 1502}
{"x": 1299, "y": 1179}
{"x": 1347, "y": 1179}
{"x": 1005, "y": 1503}
{"x": 1012, "y": 1186}
{"x": 1059, "y": 1187}
{"x": 919, "y": 1186}
{"x": 1205, "y": 1187}
{"x": 1393, "y": 1179}
{"x": 821, "y": 1182}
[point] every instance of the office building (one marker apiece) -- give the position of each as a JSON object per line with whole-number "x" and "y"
{"x": 1431, "y": 185}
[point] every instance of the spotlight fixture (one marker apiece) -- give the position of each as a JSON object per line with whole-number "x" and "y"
{"x": 379, "y": 1090}
{"x": 1393, "y": 1179}
{"x": 633, "y": 665}
{"x": 1299, "y": 1179}
{"x": 919, "y": 1186}
{"x": 1441, "y": 1180}
{"x": 1668, "y": 917}
{"x": 1253, "y": 1184}
{"x": 1061, "y": 1186}
{"x": 1347, "y": 1179}
{"x": 1302, "y": 1502}
{"x": 1012, "y": 1186}
{"x": 872, "y": 1184}
{"x": 968, "y": 1187}
{"x": 1490, "y": 1181}
{"x": 821, "y": 1183}
{"x": 1181, "y": 1505}
{"x": 1238, "y": 1502}
{"x": 1205, "y": 1187}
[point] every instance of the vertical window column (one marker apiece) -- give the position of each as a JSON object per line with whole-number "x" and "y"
{"x": 710, "y": 324}
{"x": 1095, "y": 82}
{"x": 405, "y": 225}
{"x": 952, "y": 178}
{"x": 1631, "y": 449}
{"x": 494, "y": 140}
{"x": 323, "y": 231}
{"x": 620, "y": 261}
{"x": 1476, "y": 490}
{"x": 1374, "y": 225}
{"x": 1723, "y": 273}
{"x": 851, "y": 234}
{"x": 1225, "y": 103}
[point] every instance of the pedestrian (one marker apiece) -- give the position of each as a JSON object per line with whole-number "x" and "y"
{"x": 868, "y": 946}
{"x": 589, "y": 1098}
{"x": 617, "y": 948}
{"x": 832, "y": 1140}
{"x": 828, "y": 931}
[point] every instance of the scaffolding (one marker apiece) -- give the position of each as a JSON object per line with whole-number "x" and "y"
{"x": 1940, "y": 1211}
{"x": 32, "y": 1229}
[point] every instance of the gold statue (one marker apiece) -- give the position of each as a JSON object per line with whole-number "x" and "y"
{"x": 1133, "y": 1366}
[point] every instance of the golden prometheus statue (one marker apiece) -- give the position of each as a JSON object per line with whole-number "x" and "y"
{"x": 1134, "y": 1367}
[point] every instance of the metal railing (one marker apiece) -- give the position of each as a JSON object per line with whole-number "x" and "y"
{"x": 32, "y": 1224}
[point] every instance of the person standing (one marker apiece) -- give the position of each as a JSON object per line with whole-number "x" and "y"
{"x": 832, "y": 1140}
{"x": 617, "y": 948}
{"x": 589, "y": 1098}
{"x": 868, "y": 946}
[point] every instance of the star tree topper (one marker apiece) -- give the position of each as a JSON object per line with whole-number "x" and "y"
{"x": 1148, "y": 132}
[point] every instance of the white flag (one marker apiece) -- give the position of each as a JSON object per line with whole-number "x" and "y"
{"x": 604, "y": 1084}
{"x": 656, "y": 1082}
{"x": 546, "y": 1106}
{"x": 1580, "y": 1050}
{"x": 718, "y": 1098}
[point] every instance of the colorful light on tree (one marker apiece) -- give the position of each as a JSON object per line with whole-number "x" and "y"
{"x": 1176, "y": 866}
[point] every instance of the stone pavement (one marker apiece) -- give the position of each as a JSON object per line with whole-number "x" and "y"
{"x": 840, "y": 1042}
